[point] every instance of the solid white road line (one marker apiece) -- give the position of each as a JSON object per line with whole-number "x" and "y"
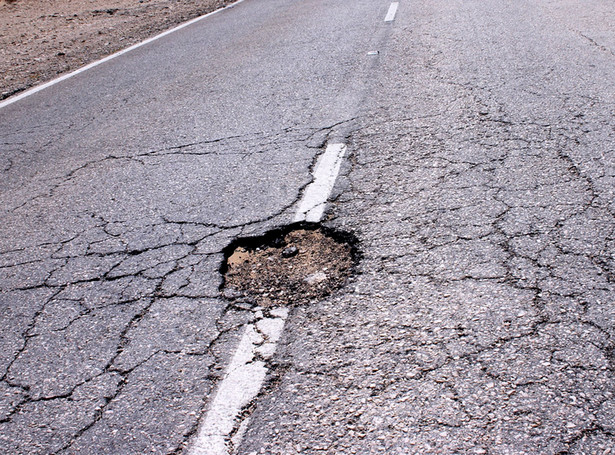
{"x": 38, "y": 88}
{"x": 314, "y": 200}
{"x": 391, "y": 13}
{"x": 240, "y": 385}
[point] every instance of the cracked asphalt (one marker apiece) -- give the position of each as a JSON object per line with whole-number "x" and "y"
{"x": 479, "y": 182}
{"x": 481, "y": 186}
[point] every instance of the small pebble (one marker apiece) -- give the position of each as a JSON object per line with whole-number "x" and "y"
{"x": 289, "y": 252}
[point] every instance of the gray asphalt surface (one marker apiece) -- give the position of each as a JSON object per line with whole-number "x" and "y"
{"x": 479, "y": 181}
{"x": 121, "y": 186}
{"x": 481, "y": 184}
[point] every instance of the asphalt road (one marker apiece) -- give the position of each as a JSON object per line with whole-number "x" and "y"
{"x": 479, "y": 179}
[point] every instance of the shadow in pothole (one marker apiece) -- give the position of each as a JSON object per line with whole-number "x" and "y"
{"x": 292, "y": 265}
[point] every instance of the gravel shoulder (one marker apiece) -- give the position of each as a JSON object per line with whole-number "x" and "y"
{"x": 40, "y": 39}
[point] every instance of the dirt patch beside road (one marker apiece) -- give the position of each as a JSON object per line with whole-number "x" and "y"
{"x": 41, "y": 39}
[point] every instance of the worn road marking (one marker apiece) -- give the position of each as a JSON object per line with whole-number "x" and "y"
{"x": 314, "y": 200}
{"x": 391, "y": 13}
{"x": 240, "y": 385}
{"x": 247, "y": 370}
{"x": 38, "y": 88}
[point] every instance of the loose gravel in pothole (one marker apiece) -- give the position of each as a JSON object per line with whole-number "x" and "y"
{"x": 297, "y": 267}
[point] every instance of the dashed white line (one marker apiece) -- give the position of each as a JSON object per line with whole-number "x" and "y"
{"x": 312, "y": 205}
{"x": 392, "y": 12}
{"x": 247, "y": 370}
{"x": 38, "y": 88}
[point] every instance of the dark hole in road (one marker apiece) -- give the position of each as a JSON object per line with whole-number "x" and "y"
{"x": 297, "y": 264}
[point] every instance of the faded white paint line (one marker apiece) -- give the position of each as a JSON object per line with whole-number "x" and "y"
{"x": 314, "y": 200}
{"x": 392, "y": 11}
{"x": 240, "y": 385}
{"x": 38, "y": 88}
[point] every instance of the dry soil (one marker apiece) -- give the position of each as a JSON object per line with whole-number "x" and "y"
{"x": 302, "y": 267}
{"x": 41, "y": 39}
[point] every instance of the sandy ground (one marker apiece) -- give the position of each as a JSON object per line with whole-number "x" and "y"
{"x": 41, "y": 39}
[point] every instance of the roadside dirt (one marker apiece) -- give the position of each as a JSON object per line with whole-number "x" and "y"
{"x": 41, "y": 39}
{"x": 298, "y": 267}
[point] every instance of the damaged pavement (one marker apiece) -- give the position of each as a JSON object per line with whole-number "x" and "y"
{"x": 478, "y": 186}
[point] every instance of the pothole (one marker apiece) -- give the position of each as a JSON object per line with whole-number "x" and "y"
{"x": 298, "y": 264}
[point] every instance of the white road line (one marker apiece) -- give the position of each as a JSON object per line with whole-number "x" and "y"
{"x": 391, "y": 13}
{"x": 314, "y": 200}
{"x": 240, "y": 385}
{"x": 247, "y": 370}
{"x": 38, "y": 88}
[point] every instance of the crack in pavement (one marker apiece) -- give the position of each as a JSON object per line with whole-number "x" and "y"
{"x": 481, "y": 317}
{"x": 99, "y": 303}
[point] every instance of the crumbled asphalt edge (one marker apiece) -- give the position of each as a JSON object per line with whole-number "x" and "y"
{"x": 272, "y": 379}
{"x": 275, "y": 238}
